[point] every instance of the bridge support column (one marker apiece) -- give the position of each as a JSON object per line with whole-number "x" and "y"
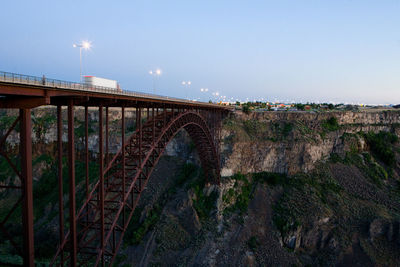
{"x": 71, "y": 172}
{"x": 27, "y": 188}
{"x": 106, "y": 155}
{"x": 123, "y": 165}
{"x": 139, "y": 125}
{"x": 60, "y": 182}
{"x": 101, "y": 189}
{"x": 87, "y": 149}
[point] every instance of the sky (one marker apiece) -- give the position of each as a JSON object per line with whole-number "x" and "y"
{"x": 283, "y": 50}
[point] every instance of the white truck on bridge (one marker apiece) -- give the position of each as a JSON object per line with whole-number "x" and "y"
{"x": 97, "y": 81}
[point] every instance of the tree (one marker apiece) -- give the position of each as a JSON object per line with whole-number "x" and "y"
{"x": 246, "y": 109}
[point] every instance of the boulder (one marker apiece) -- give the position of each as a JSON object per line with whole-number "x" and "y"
{"x": 377, "y": 228}
{"x": 249, "y": 259}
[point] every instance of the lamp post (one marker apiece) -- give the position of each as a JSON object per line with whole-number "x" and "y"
{"x": 216, "y": 95}
{"x": 186, "y": 84}
{"x": 155, "y": 73}
{"x": 83, "y": 45}
{"x": 204, "y": 90}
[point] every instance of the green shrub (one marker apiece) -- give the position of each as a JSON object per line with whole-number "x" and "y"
{"x": 42, "y": 123}
{"x": 335, "y": 158}
{"x": 252, "y": 127}
{"x": 381, "y": 145}
{"x": 6, "y": 171}
{"x": 283, "y": 218}
{"x": 6, "y": 122}
{"x": 80, "y": 129}
{"x": 253, "y": 243}
{"x": 243, "y": 199}
{"x": 239, "y": 177}
{"x": 202, "y": 204}
{"x": 330, "y": 124}
{"x": 229, "y": 195}
{"x": 148, "y": 223}
{"x": 287, "y": 128}
{"x": 246, "y": 109}
{"x": 271, "y": 178}
{"x": 188, "y": 170}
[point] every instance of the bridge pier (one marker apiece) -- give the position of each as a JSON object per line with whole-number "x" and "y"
{"x": 101, "y": 193}
{"x": 27, "y": 186}
{"x": 60, "y": 180}
{"x": 71, "y": 172}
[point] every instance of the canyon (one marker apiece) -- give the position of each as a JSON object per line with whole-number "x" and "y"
{"x": 297, "y": 188}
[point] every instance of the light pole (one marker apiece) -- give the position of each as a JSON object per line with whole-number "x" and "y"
{"x": 155, "y": 73}
{"x": 83, "y": 45}
{"x": 204, "y": 90}
{"x": 186, "y": 84}
{"x": 216, "y": 95}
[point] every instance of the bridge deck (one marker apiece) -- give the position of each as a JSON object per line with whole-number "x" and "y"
{"x": 17, "y": 90}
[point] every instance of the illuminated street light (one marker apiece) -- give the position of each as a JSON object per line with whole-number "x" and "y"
{"x": 155, "y": 73}
{"x": 216, "y": 95}
{"x": 204, "y": 90}
{"x": 186, "y": 84}
{"x": 83, "y": 45}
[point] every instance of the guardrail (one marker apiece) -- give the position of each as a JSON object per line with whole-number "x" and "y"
{"x": 53, "y": 83}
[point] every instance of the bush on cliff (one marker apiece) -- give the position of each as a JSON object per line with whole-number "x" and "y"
{"x": 381, "y": 145}
{"x": 241, "y": 194}
{"x": 330, "y": 124}
{"x": 246, "y": 109}
{"x": 271, "y": 178}
{"x": 202, "y": 203}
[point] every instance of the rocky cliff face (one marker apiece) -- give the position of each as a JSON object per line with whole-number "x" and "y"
{"x": 291, "y": 142}
{"x": 335, "y": 200}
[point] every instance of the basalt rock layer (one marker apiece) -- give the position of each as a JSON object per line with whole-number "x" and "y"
{"x": 291, "y": 142}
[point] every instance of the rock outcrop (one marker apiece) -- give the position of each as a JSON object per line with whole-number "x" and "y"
{"x": 291, "y": 142}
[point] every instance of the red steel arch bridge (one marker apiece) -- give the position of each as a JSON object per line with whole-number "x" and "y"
{"x": 91, "y": 234}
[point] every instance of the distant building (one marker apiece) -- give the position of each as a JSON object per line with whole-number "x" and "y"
{"x": 324, "y": 107}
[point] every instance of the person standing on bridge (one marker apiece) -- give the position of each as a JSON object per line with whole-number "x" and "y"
{"x": 44, "y": 80}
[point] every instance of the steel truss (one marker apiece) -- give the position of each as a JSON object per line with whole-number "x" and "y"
{"x": 96, "y": 231}
{"x": 25, "y": 188}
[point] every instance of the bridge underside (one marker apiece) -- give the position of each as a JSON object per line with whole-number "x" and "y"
{"x": 92, "y": 233}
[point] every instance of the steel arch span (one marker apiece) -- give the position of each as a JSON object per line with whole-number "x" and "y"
{"x": 93, "y": 218}
{"x": 103, "y": 219}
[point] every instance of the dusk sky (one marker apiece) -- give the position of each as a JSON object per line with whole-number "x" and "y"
{"x": 340, "y": 51}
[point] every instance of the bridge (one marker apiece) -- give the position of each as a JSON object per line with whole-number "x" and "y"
{"x": 92, "y": 233}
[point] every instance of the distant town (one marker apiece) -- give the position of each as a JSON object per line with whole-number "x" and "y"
{"x": 259, "y": 106}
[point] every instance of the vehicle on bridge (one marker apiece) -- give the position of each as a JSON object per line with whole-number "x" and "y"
{"x": 97, "y": 81}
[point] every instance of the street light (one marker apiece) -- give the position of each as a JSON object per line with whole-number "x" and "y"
{"x": 216, "y": 95}
{"x": 204, "y": 90}
{"x": 155, "y": 73}
{"x": 83, "y": 45}
{"x": 186, "y": 84}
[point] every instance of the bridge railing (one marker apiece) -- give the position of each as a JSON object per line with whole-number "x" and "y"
{"x": 53, "y": 83}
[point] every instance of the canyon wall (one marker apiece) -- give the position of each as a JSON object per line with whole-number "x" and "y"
{"x": 290, "y": 142}
{"x": 284, "y": 142}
